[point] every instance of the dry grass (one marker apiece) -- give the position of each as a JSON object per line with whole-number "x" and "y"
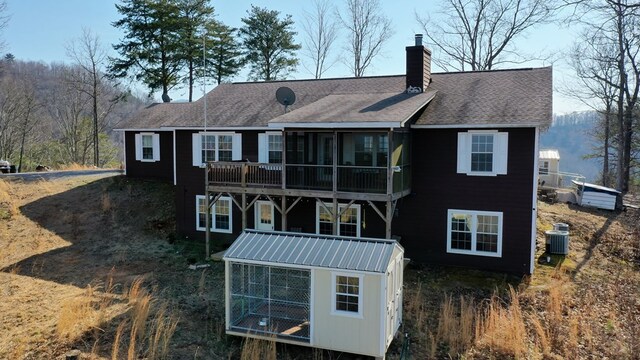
{"x": 501, "y": 328}
{"x": 75, "y": 166}
{"x": 256, "y": 349}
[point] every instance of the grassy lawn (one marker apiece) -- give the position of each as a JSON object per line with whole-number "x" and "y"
{"x": 92, "y": 263}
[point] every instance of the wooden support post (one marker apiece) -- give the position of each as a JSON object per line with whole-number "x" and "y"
{"x": 244, "y": 211}
{"x": 389, "y": 218}
{"x": 283, "y": 213}
{"x": 390, "y": 163}
{"x": 334, "y": 215}
{"x": 243, "y": 175}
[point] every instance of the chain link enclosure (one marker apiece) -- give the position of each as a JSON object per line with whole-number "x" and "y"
{"x": 271, "y": 301}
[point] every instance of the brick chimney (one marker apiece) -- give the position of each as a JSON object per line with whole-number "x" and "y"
{"x": 418, "y": 66}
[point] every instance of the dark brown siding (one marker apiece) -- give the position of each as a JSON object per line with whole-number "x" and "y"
{"x": 161, "y": 170}
{"x": 436, "y": 188}
{"x": 190, "y": 182}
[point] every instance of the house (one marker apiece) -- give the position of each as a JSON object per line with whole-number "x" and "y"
{"x": 445, "y": 163}
{"x": 330, "y": 292}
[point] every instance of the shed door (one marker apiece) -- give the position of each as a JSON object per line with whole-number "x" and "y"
{"x": 391, "y": 308}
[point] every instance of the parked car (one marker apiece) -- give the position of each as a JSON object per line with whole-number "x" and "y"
{"x": 5, "y": 166}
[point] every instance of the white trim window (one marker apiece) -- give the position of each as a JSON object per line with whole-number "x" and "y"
{"x": 216, "y": 147}
{"x": 346, "y": 294}
{"x": 270, "y": 147}
{"x": 483, "y": 152}
{"x": 147, "y": 147}
{"x": 348, "y": 222}
{"x": 474, "y": 232}
{"x": 221, "y": 215}
{"x": 544, "y": 167}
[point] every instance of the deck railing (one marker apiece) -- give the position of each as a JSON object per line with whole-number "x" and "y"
{"x": 358, "y": 179}
{"x": 244, "y": 174}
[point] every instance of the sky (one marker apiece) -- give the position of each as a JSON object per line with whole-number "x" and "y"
{"x": 38, "y": 30}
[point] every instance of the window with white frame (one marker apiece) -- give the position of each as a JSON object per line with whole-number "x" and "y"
{"x": 482, "y": 152}
{"x": 147, "y": 147}
{"x": 348, "y": 221}
{"x": 474, "y": 232}
{"x": 270, "y": 147}
{"x": 221, "y": 214}
{"x": 544, "y": 167}
{"x": 347, "y": 294}
{"x": 216, "y": 147}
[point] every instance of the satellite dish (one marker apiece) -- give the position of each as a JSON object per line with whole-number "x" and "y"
{"x": 285, "y": 96}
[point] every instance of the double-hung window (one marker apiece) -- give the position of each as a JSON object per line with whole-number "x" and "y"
{"x": 474, "y": 232}
{"x": 221, "y": 215}
{"x": 270, "y": 147}
{"x": 216, "y": 147}
{"x": 348, "y": 221}
{"x": 347, "y": 294}
{"x": 482, "y": 152}
{"x": 147, "y": 147}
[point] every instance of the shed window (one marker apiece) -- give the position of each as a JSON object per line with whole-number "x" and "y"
{"x": 221, "y": 219}
{"x": 348, "y": 222}
{"x": 347, "y": 294}
{"x": 544, "y": 168}
{"x": 482, "y": 153}
{"x": 475, "y": 233}
{"x": 147, "y": 147}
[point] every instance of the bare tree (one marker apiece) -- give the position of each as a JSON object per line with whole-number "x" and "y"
{"x": 480, "y": 34}
{"x": 592, "y": 62}
{"x": 320, "y": 33}
{"x": 618, "y": 23}
{"x": 368, "y": 30}
{"x": 89, "y": 55}
{"x": 4, "y": 20}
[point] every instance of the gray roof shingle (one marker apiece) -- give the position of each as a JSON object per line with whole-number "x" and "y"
{"x": 501, "y": 97}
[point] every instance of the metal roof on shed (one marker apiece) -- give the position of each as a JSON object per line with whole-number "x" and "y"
{"x": 550, "y": 154}
{"x": 335, "y": 252}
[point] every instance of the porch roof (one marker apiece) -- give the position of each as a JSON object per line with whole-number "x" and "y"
{"x": 391, "y": 109}
{"x": 326, "y": 251}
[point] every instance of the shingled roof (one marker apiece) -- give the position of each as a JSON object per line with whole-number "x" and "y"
{"x": 521, "y": 97}
{"x": 498, "y": 97}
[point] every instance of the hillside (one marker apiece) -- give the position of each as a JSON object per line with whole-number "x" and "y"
{"x": 106, "y": 275}
{"x": 571, "y": 134}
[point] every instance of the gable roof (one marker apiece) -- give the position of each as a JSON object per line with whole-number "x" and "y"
{"x": 326, "y": 251}
{"x": 521, "y": 97}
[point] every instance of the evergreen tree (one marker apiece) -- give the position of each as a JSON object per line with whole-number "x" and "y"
{"x": 268, "y": 44}
{"x": 151, "y": 49}
{"x": 195, "y": 15}
{"x": 223, "y": 51}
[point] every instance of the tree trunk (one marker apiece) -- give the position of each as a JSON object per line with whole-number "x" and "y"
{"x": 620, "y": 183}
{"x": 605, "y": 155}
{"x": 190, "y": 80}
{"x": 96, "y": 151}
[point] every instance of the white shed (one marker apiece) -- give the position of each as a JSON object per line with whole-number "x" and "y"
{"x": 549, "y": 168}
{"x": 597, "y": 196}
{"x": 330, "y": 292}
